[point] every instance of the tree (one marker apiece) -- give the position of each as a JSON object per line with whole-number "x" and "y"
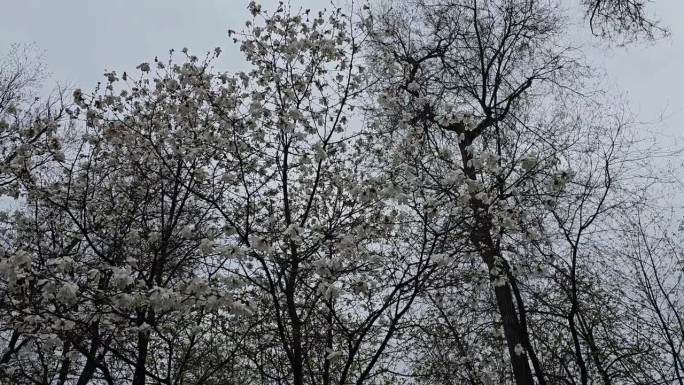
{"x": 27, "y": 124}
{"x": 477, "y": 94}
{"x": 412, "y": 194}
{"x": 622, "y": 19}
{"x": 193, "y": 198}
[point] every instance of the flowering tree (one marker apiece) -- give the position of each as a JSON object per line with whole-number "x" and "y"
{"x": 403, "y": 195}
{"x": 27, "y": 124}
{"x": 474, "y": 94}
{"x": 204, "y": 224}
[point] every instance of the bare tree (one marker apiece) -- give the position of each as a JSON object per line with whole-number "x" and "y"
{"x": 622, "y": 20}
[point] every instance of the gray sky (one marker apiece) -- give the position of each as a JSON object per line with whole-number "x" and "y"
{"x": 650, "y": 75}
{"x": 82, "y": 38}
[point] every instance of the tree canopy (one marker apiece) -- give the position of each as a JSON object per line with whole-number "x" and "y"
{"x": 417, "y": 192}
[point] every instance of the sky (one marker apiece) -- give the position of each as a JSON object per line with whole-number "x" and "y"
{"x": 650, "y": 74}
{"x": 83, "y": 38}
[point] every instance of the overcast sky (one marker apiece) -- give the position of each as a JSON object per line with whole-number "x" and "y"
{"x": 82, "y": 38}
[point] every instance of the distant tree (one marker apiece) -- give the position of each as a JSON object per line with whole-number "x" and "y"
{"x": 622, "y": 20}
{"x": 27, "y": 123}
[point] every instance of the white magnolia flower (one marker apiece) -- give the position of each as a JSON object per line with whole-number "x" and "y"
{"x": 186, "y": 232}
{"x": 519, "y": 350}
{"x": 123, "y": 301}
{"x": 254, "y": 8}
{"x": 49, "y": 289}
{"x": 441, "y": 259}
{"x": 78, "y": 96}
{"x": 153, "y": 236}
{"x": 23, "y": 260}
{"x": 51, "y": 343}
{"x": 528, "y": 163}
{"x": 162, "y": 299}
{"x": 121, "y": 277}
{"x": 63, "y": 264}
{"x": 258, "y": 243}
{"x": 67, "y": 293}
{"x": 360, "y": 287}
{"x": 333, "y": 354}
{"x": 332, "y": 292}
{"x": 144, "y": 67}
{"x": 206, "y": 246}
{"x": 143, "y": 327}
{"x": 292, "y": 230}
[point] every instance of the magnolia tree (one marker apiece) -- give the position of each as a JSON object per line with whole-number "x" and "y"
{"x": 474, "y": 95}
{"x": 210, "y": 227}
{"x": 28, "y": 124}
{"x": 394, "y": 195}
